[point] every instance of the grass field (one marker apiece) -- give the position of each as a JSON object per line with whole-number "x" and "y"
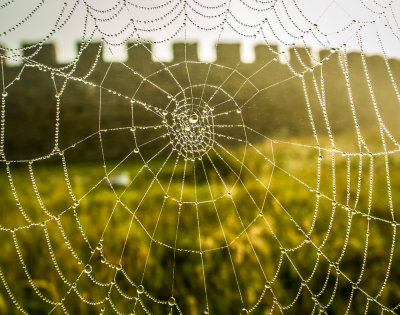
{"x": 268, "y": 247}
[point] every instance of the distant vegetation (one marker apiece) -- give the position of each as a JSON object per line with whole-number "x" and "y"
{"x": 95, "y": 208}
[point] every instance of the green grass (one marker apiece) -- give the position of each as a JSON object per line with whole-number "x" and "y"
{"x": 287, "y": 198}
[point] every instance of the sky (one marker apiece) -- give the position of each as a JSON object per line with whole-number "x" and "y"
{"x": 368, "y": 25}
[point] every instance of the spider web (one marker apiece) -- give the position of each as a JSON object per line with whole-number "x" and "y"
{"x": 246, "y": 188}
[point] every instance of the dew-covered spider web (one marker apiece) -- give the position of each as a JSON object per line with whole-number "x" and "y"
{"x": 164, "y": 181}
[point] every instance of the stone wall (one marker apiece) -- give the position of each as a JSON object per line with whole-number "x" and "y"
{"x": 273, "y": 98}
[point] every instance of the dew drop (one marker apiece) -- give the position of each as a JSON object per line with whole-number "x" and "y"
{"x": 140, "y": 289}
{"x": 88, "y": 269}
{"x": 136, "y": 150}
{"x": 244, "y": 311}
{"x": 193, "y": 118}
{"x": 171, "y": 301}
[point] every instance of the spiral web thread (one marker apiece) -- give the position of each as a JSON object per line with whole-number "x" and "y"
{"x": 194, "y": 131}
